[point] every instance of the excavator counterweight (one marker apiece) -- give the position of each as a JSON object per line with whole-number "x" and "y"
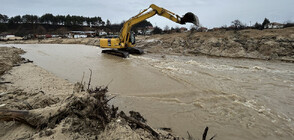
{"x": 125, "y": 44}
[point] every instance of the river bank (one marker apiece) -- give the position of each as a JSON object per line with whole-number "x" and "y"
{"x": 268, "y": 44}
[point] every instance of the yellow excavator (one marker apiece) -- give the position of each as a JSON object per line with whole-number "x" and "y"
{"x": 124, "y": 45}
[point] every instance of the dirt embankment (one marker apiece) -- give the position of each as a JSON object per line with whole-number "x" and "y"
{"x": 9, "y": 57}
{"x": 38, "y": 105}
{"x": 277, "y": 44}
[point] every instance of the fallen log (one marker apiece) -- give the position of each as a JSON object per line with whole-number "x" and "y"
{"x": 140, "y": 124}
{"x": 15, "y": 115}
{"x": 5, "y": 83}
{"x": 3, "y": 93}
{"x": 28, "y": 61}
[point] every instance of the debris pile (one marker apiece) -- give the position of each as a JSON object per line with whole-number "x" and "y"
{"x": 82, "y": 114}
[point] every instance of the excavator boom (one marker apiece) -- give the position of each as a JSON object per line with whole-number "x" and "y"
{"x": 126, "y": 40}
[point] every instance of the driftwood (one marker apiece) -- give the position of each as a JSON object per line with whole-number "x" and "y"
{"x": 27, "y": 61}
{"x": 10, "y": 115}
{"x": 5, "y": 83}
{"x": 3, "y": 93}
{"x": 24, "y": 61}
{"x": 15, "y": 115}
{"x": 204, "y": 135}
{"x": 93, "y": 106}
{"x": 140, "y": 124}
{"x": 89, "y": 83}
{"x": 166, "y": 129}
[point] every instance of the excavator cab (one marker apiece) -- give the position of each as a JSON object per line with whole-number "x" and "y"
{"x": 132, "y": 38}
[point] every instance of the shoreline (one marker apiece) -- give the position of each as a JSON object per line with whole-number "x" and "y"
{"x": 270, "y": 44}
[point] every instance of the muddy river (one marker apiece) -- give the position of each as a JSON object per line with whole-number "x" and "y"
{"x": 237, "y": 98}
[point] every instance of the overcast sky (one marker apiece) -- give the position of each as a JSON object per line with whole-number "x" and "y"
{"x": 211, "y": 13}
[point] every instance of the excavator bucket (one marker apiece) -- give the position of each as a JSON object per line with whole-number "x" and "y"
{"x": 190, "y": 18}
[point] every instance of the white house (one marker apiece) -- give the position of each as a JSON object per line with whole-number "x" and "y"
{"x": 102, "y": 33}
{"x": 275, "y": 25}
{"x": 10, "y": 37}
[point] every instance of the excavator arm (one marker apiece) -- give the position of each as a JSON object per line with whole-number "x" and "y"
{"x": 126, "y": 38}
{"x": 125, "y": 32}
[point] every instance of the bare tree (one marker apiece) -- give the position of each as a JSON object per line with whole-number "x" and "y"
{"x": 108, "y": 23}
{"x": 237, "y": 24}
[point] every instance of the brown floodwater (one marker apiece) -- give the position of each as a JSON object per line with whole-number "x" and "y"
{"x": 236, "y": 98}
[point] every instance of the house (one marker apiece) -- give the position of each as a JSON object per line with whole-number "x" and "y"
{"x": 41, "y": 36}
{"x": 275, "y": 25}
{"x": 10, "y": 37}
{"x": 149, "y": 30}
{"x": 2, "y": 37}
{"x": 140, "y": 32}
{"x": 90, "y": 33}
{"x": 216, "y": 29}
{"x": 81, "y": 34}
{"x": 102, "y": 33}
{"x": 183, "y": 29}
{"x": 202, "y": 29}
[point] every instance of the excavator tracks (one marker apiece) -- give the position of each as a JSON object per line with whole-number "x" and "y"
{"x": 116, "y": 53}
{"x": 124, "y": 52}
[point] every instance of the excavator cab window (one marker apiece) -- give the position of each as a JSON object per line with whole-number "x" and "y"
{"x": 132, "y": 38}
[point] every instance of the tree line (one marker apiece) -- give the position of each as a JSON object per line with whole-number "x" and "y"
{"x": 48, "y": 18}
{"x": 238, "y": 25}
